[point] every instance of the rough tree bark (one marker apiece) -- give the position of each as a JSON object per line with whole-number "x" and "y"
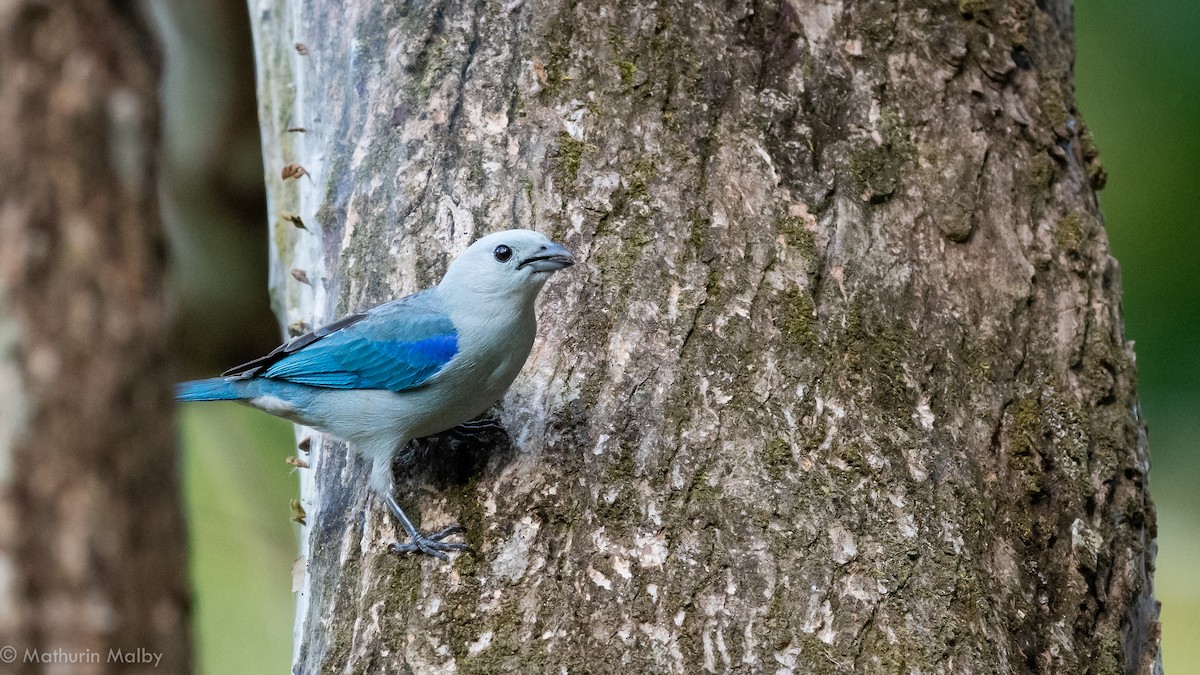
{"x": 839, "y": 384}
{"x": 92, "y": 552}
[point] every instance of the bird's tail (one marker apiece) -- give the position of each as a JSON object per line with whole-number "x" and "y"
{"x": 215, "y": 389}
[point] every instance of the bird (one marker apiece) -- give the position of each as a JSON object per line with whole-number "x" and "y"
{"x": 409, "y": 368}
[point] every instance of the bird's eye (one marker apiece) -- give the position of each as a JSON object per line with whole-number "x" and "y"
{"x": 502, "y": 253}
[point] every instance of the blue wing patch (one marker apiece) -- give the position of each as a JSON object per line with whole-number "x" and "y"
{"x": 349, "y": 360}
{"x": 396, "y": 346}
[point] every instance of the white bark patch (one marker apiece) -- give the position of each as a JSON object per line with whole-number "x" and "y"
{"x": 621, "y": 567}
{"x": 952, "y": 537}
{"x": 480, "y": 644}
{"x": 1004, "y": 560}
{"x": 766, "y": 158}
{"x": 621, "y": 347}
{"x": 673, "y": 303}
{"x": 836, "y": 412}
{"x": 1086, "y": 544}
{"x": 662, "y": 636}
{"x": 750, "y": 651}
{"x": 905, "y": 521}
{"x": 827, "y": 634}
{"x": 457, "y": 223}
{"x": 417, "y": 659}
{"x": 571, "y": 115}
{"x": 787, "y": 658}
{"x": 861, "y": 589}
{"x": 492, "y": 604}
{"x": 818, "y": 617}
{"x": 916, "y": 468}
{"x": 598, "y": 578}
{"x": 710, "y": 660}
{"x": 366, "y": 629}
{"x": 513, "y": 559}
{"x": 603, "y": 185}
{"x": 923, "y": 414}
{"x": 651, "y": 549}
{"x": 601, "y": 542}
{"x": 844, "y": 548}
{"x": 875, "y": 460}
{"x": 433, "y": 606}
{"x": 654, "y": 514}
{"x": 712, "y": 603}
{"x": 722, "y": 649}
{"x": 817, "y": 20}
{"x": 600, "y": 441}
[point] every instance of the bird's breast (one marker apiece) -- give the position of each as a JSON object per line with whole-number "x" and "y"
{"x": 491, "y": 354}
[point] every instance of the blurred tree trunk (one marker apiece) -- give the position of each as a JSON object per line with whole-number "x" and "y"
{"x": 839, "y": 385}
{"x": 92, "y": 543}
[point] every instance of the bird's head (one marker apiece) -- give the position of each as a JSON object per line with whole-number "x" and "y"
{"x": 512, "y": 263}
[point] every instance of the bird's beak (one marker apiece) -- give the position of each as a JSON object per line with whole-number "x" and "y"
{"x": 550, "y": 258}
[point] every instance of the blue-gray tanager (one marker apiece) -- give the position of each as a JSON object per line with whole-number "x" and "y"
{"x": 409, "y": 368}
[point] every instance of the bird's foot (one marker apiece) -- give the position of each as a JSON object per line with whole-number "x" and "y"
{"x": 432, "y": 544}
{"x": 428, "y": 544}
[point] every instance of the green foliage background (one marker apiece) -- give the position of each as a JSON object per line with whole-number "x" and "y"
{"x": 1138, "y": 88}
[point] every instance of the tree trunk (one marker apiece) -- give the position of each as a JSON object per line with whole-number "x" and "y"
{"x": 839, "y": 384}
{"x": 92, "y": 543}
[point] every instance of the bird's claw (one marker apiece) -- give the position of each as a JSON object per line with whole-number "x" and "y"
{"x": 432, "y": 544}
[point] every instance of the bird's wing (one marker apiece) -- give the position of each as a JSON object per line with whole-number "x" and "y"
{"x": 396, "y": 346}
